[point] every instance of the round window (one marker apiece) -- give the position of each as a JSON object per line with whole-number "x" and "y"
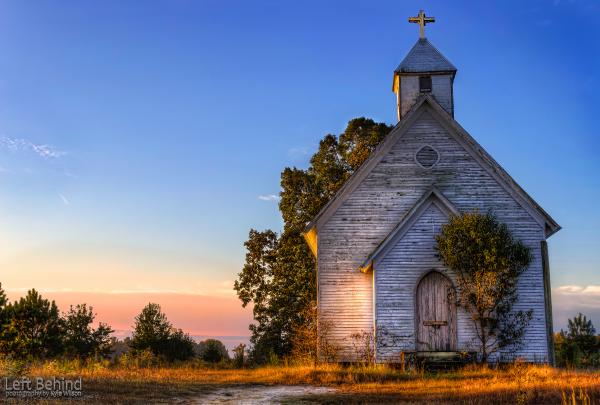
{"x": 427, "y": 157}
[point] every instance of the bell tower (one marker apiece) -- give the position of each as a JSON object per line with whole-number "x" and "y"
{"x": 424, "y": 70}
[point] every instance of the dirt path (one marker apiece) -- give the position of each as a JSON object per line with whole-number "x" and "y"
{"x": 252, "y": 394}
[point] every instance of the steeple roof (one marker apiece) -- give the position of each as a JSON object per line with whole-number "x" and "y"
{"x": 424, "y": 57}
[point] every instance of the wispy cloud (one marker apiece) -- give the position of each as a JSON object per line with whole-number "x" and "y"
{"x": 268, "y": 197}
{"x": 578, "y": 289}
{"x": 20, "y": 144}
{"x": 64, "y": 199}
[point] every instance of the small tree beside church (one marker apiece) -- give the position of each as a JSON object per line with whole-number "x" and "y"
{"x": 488, "y": 262}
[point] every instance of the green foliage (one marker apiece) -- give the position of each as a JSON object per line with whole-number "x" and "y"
{"x": 3, "y": 315}
{"x": 139, "y": 359}
{"x": 578, "y": 346}
{"x": 80, "y": 339}
{"x": 154, "y": 333}
{"x": 488, "y": 263}
{"x": 180, "y": 346}
{"x": 278, "y": 277}
{"x": 361, "y": 136}
{"x": 212, "y": 351}
{"x": 32, "y": 328}
{"x": 3, "y": 298}
{"x": 582, "y": 331}
{"x": 239, "y": 355}
{"x": 151, "y": 330}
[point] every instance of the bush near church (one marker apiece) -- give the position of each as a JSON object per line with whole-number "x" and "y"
{"x": 487, "y": 262}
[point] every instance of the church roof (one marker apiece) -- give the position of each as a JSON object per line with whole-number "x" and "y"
{"x": 424, "y": 57}
{"x": 460, "y": 134}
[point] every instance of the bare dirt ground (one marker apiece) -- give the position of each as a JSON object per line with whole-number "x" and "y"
{"x": 253, "y": 394}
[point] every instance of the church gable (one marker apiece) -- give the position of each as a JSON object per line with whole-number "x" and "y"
{"x": 393, "y": 186}
{"x": 428, "y": 119}
{"x": 397, "y": 272}
{"x": 432, "y": 201}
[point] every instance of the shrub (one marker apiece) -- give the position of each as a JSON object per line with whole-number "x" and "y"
{"x": 212, "y": 351}
{"x": 578, "y": 346}
{"x": 239, "y": 355}
{"x": 488, "y": 262}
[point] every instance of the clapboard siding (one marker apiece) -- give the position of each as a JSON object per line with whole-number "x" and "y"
{"x": 372, "y": 210}
{"x": 397, "y": 275}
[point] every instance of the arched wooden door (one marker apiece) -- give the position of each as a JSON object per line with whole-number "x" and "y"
{"x": 435, "y": 313}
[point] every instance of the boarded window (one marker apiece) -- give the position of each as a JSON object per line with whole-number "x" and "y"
{"x": 425, "y": 84}
{"x": 427, "y": 156}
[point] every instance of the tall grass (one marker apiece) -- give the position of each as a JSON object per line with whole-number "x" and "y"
{"x": 516, "y": 384}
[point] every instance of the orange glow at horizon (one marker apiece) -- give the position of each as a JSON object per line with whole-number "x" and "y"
{"x": 195, "y": 314}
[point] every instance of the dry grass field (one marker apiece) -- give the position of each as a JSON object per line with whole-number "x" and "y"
{"x": 517, "y": 384}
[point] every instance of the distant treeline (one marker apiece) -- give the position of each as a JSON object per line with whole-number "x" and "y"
{"x": 32, "y": 328}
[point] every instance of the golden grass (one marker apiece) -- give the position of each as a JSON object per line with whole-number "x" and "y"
{"x": 516, "y": 384}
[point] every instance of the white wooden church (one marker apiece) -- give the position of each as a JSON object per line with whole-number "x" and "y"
{"x": 374, "y": 241}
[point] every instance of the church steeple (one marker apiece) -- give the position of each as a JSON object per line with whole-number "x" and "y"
{"x": 423, "y": 70}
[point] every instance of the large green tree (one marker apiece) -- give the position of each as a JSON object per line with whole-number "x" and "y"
{"x": 488, "y": 262}
{"x": 278, "y": 277}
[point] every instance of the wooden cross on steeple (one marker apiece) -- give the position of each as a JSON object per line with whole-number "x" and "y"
{"x": 422, "y": 20}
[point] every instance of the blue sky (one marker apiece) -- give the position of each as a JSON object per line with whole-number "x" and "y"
{"x": 136, "y": 138}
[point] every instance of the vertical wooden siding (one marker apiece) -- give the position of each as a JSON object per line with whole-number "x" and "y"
{"x": 435, "y": 312}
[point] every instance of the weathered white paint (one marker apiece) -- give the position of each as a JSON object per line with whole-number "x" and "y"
{"x": 441, "y": 90}
{"x": 371, "y": 210}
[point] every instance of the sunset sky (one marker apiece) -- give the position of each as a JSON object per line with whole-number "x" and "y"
{"x": 140, "y": 141}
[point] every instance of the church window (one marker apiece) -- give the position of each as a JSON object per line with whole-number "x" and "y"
{"x": 425, "y": 84}
{"x": 427, "y": 157}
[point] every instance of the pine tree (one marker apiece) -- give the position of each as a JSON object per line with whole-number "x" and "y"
{"x": 33, "y": 328}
